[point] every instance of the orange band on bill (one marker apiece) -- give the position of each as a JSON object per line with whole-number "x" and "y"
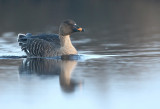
{"x": 79, "y": 29}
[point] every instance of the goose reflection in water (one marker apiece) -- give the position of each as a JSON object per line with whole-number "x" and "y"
{"x": 51, "y": 67}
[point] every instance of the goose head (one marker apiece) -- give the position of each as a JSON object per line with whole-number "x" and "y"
{"x": 68, "y": 27}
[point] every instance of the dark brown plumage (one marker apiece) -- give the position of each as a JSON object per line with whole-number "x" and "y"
{"x": 49, "y": 45}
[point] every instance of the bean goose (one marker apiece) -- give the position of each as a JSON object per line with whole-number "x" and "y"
{"x": 49, "y": 45}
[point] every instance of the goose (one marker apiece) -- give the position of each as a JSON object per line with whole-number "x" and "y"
{"x": 50, "y": 45}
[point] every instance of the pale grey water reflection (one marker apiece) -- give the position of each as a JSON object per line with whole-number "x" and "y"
{"x": 50, "y": 68}
{"x": 111, "y": 82}
{"x": 119, "y": 66}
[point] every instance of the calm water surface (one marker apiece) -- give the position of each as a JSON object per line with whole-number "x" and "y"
{"x": 118, "y": 68}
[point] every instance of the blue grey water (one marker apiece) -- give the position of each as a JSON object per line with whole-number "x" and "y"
{"x": 119, "y": 67}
